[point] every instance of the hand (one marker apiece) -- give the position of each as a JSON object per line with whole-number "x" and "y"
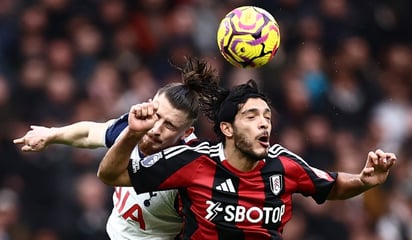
{"x": 35, "y": 140}
{"x": 142, "y": 116}
{"x": 377, "y": 167}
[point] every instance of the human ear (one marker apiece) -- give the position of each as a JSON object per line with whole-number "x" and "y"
{"x": 187, "y": 133}
{"x": 226, "y": 128}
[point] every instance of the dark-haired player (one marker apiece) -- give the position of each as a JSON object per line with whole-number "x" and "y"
{"x": 240, "y": 188}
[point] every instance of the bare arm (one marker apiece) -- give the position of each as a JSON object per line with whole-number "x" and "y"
{"x": 374, "y": 173}
{"x": 84, "y": 134}
{"x": 113, "y": 168}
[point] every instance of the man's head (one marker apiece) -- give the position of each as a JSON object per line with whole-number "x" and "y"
{"x": 172, "y": 127}
{"x": 179, "y": 105}
{"x": 243, "y": 120}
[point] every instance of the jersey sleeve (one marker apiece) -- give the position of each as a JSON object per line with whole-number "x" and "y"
{"x": 114, "y": 131}
{"x": 305, "y": 179}
{"x": 171, "y": 168}
{"x": 322, "y": 180}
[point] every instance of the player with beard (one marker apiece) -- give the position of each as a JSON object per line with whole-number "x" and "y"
{"x": 241, "y": 187}
{"x": 150, "y": 215}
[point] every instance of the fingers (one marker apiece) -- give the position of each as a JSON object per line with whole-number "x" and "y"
{"x": 391, "y": 159}
{"x": 29, "y": 144}
{"x": 382, "y": 159}
{"x": 381, "y": 156}
{"x": 26, "y": 146}
{"x": 18, "y": 140}
{"x": 144, "y": 110}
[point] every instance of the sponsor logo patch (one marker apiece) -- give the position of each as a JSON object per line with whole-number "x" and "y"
{"x": 150, "y": 160}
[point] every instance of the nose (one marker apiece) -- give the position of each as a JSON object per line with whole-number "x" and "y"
{"x": 264, "y": 123}
{"x": 156, "y": 129}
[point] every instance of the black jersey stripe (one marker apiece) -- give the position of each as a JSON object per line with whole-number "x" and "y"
{"x": 227, "y": 198}
{"x": 271, "y": 199}
{"x": 189, "y": 226}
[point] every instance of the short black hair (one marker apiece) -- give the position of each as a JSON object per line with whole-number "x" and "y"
{"x": 228, "y": 103}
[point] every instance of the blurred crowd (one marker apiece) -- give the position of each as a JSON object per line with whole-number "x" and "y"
{"x": 341, "y": 84}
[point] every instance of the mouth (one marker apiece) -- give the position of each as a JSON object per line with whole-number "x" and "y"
{"x": 264, "y": 140}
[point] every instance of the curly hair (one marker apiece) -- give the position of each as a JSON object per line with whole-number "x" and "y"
{"x": 198, "y": 89}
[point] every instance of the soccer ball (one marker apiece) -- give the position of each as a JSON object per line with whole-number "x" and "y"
{"x": 248, "y": 36}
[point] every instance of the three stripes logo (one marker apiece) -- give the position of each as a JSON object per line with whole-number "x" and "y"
{"x": 226, "y": 186}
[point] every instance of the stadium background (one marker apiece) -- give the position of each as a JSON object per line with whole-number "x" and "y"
{"x": 341, "y": 83}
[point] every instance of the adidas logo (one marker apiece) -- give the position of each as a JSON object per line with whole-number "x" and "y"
{"x": 226, "y": 186}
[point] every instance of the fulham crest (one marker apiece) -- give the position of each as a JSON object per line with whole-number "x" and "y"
{"x": 276, "y": 183}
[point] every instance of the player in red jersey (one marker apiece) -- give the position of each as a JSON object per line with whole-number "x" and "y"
{"x": 240, "y": 188}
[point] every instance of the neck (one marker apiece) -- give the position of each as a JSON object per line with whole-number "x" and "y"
{"x": 237, "y": 159}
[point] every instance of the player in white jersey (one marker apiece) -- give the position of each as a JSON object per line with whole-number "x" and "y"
{"x": 149, "y": 215}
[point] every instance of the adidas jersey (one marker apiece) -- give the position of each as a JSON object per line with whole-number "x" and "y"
{"x": 220, "y": 202}
{"x": 150, "y": 215}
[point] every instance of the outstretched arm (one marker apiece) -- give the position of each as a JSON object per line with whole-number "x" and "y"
{"x": 375, "y": 172}
{"x": 84, "y": 134}
{"x": 113, "y": 168}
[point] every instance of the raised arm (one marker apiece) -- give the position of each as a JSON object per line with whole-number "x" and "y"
{"x": 113, "y": 168}
{"x": 84, "y": 134}
{"x": 375, "y": 172}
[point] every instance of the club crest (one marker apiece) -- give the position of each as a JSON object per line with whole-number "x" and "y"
{"x": 276, "y": 183}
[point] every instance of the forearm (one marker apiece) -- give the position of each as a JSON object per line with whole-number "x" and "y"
{"x": 83, "y": 134}
{"x": 113, "y": 168}
{"x": 347, "y": 186}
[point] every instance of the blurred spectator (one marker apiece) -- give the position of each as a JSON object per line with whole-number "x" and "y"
{"x": 142, "y": 86}
{"x": 104, "y": 88}
{"x": 91, "y": 197}
{"x": 318, "y": 135}
{"x": 310, "y": 64}
{"x": 10, "y": 226}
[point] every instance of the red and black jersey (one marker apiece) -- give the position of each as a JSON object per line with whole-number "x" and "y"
{"x": 220, "y": 202}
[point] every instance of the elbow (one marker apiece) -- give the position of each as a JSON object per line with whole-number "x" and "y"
{"x": 113, "y": 178}
{"x": 106, "y": 177}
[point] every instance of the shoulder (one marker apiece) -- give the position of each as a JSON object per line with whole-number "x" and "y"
{"x": 194, "y": 147}
{"x": 115, "y": 128}
{"x": 284, "y": 154}
{"x": 278, "y": 150}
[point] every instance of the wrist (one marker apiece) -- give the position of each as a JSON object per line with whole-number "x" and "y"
{"x": 53, "y": 135}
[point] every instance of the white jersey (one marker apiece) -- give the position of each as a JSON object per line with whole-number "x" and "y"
{"x": 141, "y": 216}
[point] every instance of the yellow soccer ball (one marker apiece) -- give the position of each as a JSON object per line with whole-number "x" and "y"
{"x": 248, "y": 36}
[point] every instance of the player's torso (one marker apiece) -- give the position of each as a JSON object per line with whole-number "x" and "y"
{"x": 143, "y": 216}
{"x": 221, "y": 202}
{"x": 243, "y": 203}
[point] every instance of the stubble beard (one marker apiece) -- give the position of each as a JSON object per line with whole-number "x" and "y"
{"x": 246, "y": 147}
{"x": 146, "y": 147}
